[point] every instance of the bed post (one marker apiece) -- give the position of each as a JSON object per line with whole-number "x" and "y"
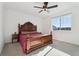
{"x": 51, "y": 37}
{"x": 18, "y": 31}
{"x": 35, "y": 28}
{"x": 18, "y": 28}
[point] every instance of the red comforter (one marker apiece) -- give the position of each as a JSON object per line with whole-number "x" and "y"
{"x": 23, "y": 39}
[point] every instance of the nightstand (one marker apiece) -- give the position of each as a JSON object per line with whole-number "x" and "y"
{"x": 14, "y": 37}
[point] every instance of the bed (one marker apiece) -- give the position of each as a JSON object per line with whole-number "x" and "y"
{"x": 30, "y": 39}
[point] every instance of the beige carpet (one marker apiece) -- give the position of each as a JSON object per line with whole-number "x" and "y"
{"x": 15, "y": 49}
{"x": 12, "y": 50}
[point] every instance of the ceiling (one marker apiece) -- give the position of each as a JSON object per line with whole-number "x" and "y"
{"x": 27, "y": 7}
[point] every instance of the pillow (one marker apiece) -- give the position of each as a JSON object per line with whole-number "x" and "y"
{"x": 33, "y": 32}
{"x": 25, "y": 33}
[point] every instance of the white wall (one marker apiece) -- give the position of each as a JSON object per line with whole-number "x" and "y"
{"x": 46, "y": 25}
{"x": 67, "y": 36}
{"x": 1, "y": 27}
{"x": 13, "y": 18}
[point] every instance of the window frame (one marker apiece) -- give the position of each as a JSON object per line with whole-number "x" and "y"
{"x": 61, "y": 23}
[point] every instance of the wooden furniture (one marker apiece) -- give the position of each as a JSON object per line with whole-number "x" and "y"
{"x": 28, "y": 27}
{"x": 30, "y": 43}
{"x": 37, "y": 42}
{"x": 14, "y": 37}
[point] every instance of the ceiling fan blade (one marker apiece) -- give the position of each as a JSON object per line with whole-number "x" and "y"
{"x": 38, "y": 7}
{"x": 40, "y": 11}
{"x": 52, "y": 6}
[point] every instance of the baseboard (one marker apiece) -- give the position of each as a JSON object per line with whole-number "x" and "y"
{"x": 68, "y": 42}
{"x": 1, "y": 49}
{"x": 7, "y": 41}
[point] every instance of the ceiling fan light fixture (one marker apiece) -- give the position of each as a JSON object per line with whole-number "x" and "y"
{"x": 45, "y": 7}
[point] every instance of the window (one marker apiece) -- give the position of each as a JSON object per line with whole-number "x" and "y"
{"x": 62, "y": 22}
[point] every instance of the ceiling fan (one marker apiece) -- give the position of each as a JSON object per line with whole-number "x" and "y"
{"x": 45, "y": 7}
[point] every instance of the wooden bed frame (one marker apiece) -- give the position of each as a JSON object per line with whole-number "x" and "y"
{"x": 36, "y": 42}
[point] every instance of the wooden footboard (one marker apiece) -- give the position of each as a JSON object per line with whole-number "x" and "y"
{"x": 38, "y": 41}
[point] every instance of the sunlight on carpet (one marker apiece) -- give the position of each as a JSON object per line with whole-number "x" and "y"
{"x": 49, "y": 51}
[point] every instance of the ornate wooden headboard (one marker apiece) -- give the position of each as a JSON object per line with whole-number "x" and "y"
{"x": 28, "y": 27}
